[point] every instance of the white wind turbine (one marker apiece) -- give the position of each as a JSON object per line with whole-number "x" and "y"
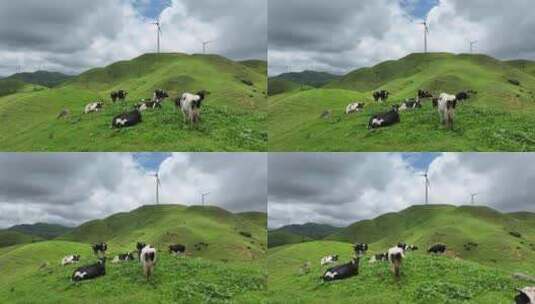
{"x": 427, "y": 186}
{"x": 203, "y": 197}
{"x": 472, "y": 43}
{"x": 205, "y": 44}
{"x": 472, "y": 197}
{"x": 426, "y": 31}
{"x": 158, "y": 185}
{"x": 159, "y": 32}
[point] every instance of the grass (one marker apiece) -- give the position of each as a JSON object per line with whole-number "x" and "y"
{"x": 11, "y": 238}
{"x": 499, "y": 118}
{"x": 233, "y": 116}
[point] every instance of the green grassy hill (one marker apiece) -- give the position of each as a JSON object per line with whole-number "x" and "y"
{"x": 10, "y": 238}
{"x": 42, "y": 230}
{"x": 527, "y": 66}
{"x": 10, "y": 86}
{"x": 299, "y": 233}
{"x": 308, "y": 78}
{"x": 497, "y": 119}
{"x": 425, "y": 279}
{"x": 230, "y": 269}
{"x": 233, "y": 115}
{"x": 42, "y": 78}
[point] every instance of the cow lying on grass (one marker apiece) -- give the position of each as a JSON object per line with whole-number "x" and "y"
{"x": 341, "y": 272}
{"x": 385, "y": 119}
{"x": 410, "y": 104}
{"x": 437, "y": 249}
{"x": 177, "y": 249}
{"x": 330, "y": 259}
{"x": 354, "y": 107}
{"x": 124, "y": 257}
{"x": 379, "y": 257}
{"x": 90, "y": 272}
{"x": 93, "y": 107}
{"x": 127, "y": 119}
{"x": 145, "y": 105}
{"x": 70, "y": 259}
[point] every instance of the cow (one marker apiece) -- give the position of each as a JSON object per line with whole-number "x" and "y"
{"x": 446, "y": 109}
{"x": 93, "y": 107}
{"x": 461, "y": 96}
{"x": 119, "y": 95}
{"x": 127, "y": 119}
{"x": 190, "y": 105}
{"x": 424, "y": 94}
{"x": 525, "y": 295}
{"x": 148, "y": 260}
{"x": 70, "y": 259}
{"x": 90, "y": 272}
{"x": 354, "y": 107}
{"x": 385, "y": 119}
{"x": 410, "y": 104}
{"x": 343, "y": 271}
{"x": 381, "y": 257}
{"x": 330, "y": 259}
{"x": 139, "y": 247}
{"x": 100, "y": 248}
{"x": 380, "y": 96}
{"x": 360, "y": 248}
{"x": 437, "y": 249}
{"x": 159, "y": 95}
{"x": 177, "y": 249}
{"x": 406, "y": 247}
{"x": 124, "y": 257}
{"x": 145, "y": 105}
{"x": 395, "y": 256}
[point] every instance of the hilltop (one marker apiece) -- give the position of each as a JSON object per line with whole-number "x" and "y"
{"x": 496, "y": 119}
{"x": 233, "y": 115}
{"x": 42, "y": 78}
{"x": 299, "y": 233}
{"x": 42, "y": 230}
{"x": 306, "y": 78}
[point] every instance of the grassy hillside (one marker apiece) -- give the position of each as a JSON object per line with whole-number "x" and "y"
{"x": 308, "y": 78}
{"x": 299, "y": 233}
{"x": 42, "y": 78}
{"x": 260, "y": 66}
{"x": 425, "y": 279}
{"x": 10, "y": 238}
{"x": 230, "y": 269}
{"x": 523, "y": 65}
{"x": 12, "y": 86}
{"x": 42, "y": 230}
{"x": 233, "y": 115}
{"x": 283, "y": 237}
{"x": 497, "y": 119}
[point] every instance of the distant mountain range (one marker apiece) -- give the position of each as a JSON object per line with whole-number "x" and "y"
{"x": 292, "y": 81}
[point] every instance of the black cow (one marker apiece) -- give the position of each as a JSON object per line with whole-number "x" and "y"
{"x": 127, "y": 119}
{"x": 100, "y": 248}
{"x": 424, "y": 94}
{"x": 177, "y": 249}
{"x": 119, "y": 95}
{"x": 437, "y": 249}
{"x": 461, "y": 96}
{"x": 139, "y": 247}
{"x": 381, "y": 96}
{"x": 385, "y": 119}
{"x": 90, "y": 272}
{"x": 341, "y": 272}
{"x": 360, "y": 248}
{"x": 159, "y": 95}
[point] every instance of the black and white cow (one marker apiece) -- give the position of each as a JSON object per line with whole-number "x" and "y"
{"x": 395, "y": 256}
{"x": 90, "y": 271}
{"x": 437, "y": 249}
{"x": 119, "y": 95}
{"x": 525, "y": 295}
{"x": 360, "y": 248}
{"x": 177, "y": 249}
{"x": 127, "y": 119}
{"x": 100, "y": 248}
{"x": 446, "y": 109}
{"x": 410, "y": 104}
{"x": 330, "y": 259}
{"x": 123, "y": 257}
{"x": 385, "y": 119}
{"x": 343, "y": 271}
{"x": 424, "y": 94}
{"x": 159, "y": 95}
{"x": 145, "y": 105}
{"x": 379, "y": 257}
{"x": 380, "y": 96}
{"x": 190, "y": 105}
{"x": 94, "y": 107}
{"x": 148, "y": 260}
{"x": 70, "y": 259}
{"x": 406, "y": 247}
{"x": 354, "y": 107}
{"x": 139, "y": 247}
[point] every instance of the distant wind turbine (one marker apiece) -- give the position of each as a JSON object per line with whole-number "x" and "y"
{"x": 203, "y": 197}
{"x": 426, "y": 31}
{"x": 159, "y": 32}
{"x": 205, "y": 44}
{"x": 427, "y": 186}
{"x": 157, "y": 180}
{"x": 472, "y": 43}
{"x": 472, "y": 197}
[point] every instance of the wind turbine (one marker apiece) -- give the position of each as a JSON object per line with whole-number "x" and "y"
{"x": 203, "y": 196}
{"x": 157, "y": 179}
{"x": 205, "y": 44}
{"x": 159, "y": 31}
{"x": 472, "y": 196}
{"x": 472, "y": 43}
{"x": 427, "y": 186}
{"x": 426, "y": 31}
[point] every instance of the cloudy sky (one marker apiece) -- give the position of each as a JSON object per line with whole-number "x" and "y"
{"x": 341, "y": 35}
{"x": 72, "y": 188}
{"x": 341, "y": 188}
{"x": 74, "y": 35}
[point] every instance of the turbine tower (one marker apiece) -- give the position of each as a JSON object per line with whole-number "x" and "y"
{"x": 157, "y": 179}
{"x": 159, "y": 31}
{"x": 205, "y": 44}
{"x": 472, "y": 43}
{"x": 472, "y": 197}
{"x": 203, "y": 196}
{"x": 427, "y": 185}
{"x": 426, "y": 31}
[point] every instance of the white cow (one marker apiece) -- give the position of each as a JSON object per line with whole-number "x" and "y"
{"x": 330, "y": 259}
{"x": 354, "y": 107}
{"x": 70, "y": 259}
{"x": 446, "y": 109}
{"x": 148, "y": 260}
{"x": 93, "y": 107}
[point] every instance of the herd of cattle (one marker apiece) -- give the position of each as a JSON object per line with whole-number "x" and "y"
{"x": 146, "y": 254}
{"x": 189, "y": 104}
{"x": 394, "y": 256}
{"x": 445, "y": 103}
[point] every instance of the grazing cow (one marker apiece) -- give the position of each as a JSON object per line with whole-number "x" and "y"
{"x": 385, "y": 119}
{"x": 437, "y": 249}
{"x": 90, "y": 272}
{"x": 330, "y": 259}
{"x": 381, "y": 96}
{"x": 341, "y": 272}
{"x": 93, "y": 107}
{"x": 360, "y": 248}
{"x": 395, "y": 256}
{"x": 354, "y": 107}
{"x": 139, "y": 247}
{"x": 148, "y": 260}
{"x": 124, "y": 257}
{"x": 410, "y": 104}
{"x": 446, "y": 109}
{"x": 145, "y": 105}
{"x": 177, "y": 249}
{"x": 424, "y": 94}
{"x": 100, "y": 248}
{"x": 127, "y": 119}
{"x": 119, "y": 95}
{"x": 462, "y": 96}
{"x": 526, "y": 295}
{"x": 190, "y": 105}
{"x": 70, "y": 259}
{"x": 159, "y": 95}
{"x": 381, "y": 257}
